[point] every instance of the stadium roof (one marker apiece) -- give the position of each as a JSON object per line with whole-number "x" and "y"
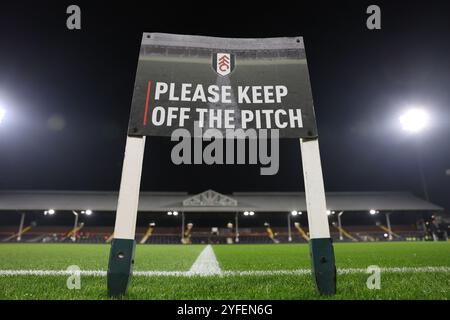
{"x": 211, "y": 201}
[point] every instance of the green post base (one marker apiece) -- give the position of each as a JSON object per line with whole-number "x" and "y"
{"x": 323, "y": 265}
{"x": 120, "y": 267}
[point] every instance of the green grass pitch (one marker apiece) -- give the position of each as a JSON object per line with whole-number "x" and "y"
{"x": 412, "y": 284}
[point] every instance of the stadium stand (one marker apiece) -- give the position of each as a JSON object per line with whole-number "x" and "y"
{"x": 172, "y": 235}
{"x": 412, "y": 217}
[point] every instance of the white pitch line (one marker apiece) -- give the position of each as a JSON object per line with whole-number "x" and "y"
{"x": 339, "y": 271}
{"x": 206, "y": 263}
{"x": 190, "y": 273}
{"x": 9, "y": 273}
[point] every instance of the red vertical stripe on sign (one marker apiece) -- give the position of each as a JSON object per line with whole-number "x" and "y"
{"x": 146, "y": 102}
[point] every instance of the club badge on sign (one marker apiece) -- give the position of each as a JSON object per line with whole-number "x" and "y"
{"x": 223, "y": 63}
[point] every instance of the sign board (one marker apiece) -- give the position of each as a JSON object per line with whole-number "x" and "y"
{"x": 222, "y": 84}
{"x": 189, "y": 82}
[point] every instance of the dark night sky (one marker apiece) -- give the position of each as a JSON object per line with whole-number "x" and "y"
{"x": 361, "y": 81}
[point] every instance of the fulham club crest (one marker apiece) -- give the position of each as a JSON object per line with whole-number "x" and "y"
{"x": 223, "y": 63}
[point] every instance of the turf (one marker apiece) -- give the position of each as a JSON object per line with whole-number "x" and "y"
{"x": 242, "y": 257}
{"x": 94, "y": 257}
{"x": 348, "y": 255}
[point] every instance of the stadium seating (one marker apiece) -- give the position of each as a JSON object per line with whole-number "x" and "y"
{"x": 171, "y": 235}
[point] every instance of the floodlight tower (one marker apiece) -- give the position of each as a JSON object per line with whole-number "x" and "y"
{"x": 414, "y": 121}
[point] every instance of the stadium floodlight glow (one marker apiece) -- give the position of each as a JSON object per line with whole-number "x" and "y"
{"x": 330, "y": 212}
{"x": 385, "y": 235}
{"x": 246, "y": 213}
{"x": 2, "y": 114}
{"x": 49, "y": 212}
{"x": 294, "y": 212}
{"x": 175, "y": 213}
{"x": 251, "y": 213}
{"x": 373, "y": 211}
{"x": 88, "y": 212}
{"x": 169, "y": 213}
{"x": 414, "y": 120}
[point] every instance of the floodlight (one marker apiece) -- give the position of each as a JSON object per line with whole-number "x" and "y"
{"x": 246, "y": 213}
{"x": 414, "y": 120}
{"x": 385, "y": 235}
{"x": 373, "y": 211}
{"x": 251, "y": 213}
{"x": 294, "y": 212}
{"x": 51, "y": 211}
{"x": 2, "y": 114}
{"x": 169, "y": 213}
{"x": 88, "y": 212}
{"x": 175, "y": 213}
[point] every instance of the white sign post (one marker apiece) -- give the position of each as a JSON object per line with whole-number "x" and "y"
{"x": 322, "y": 254}
{"x": 121, "y": 257}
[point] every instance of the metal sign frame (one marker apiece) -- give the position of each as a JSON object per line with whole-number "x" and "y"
{"x": 121, "y": 257}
